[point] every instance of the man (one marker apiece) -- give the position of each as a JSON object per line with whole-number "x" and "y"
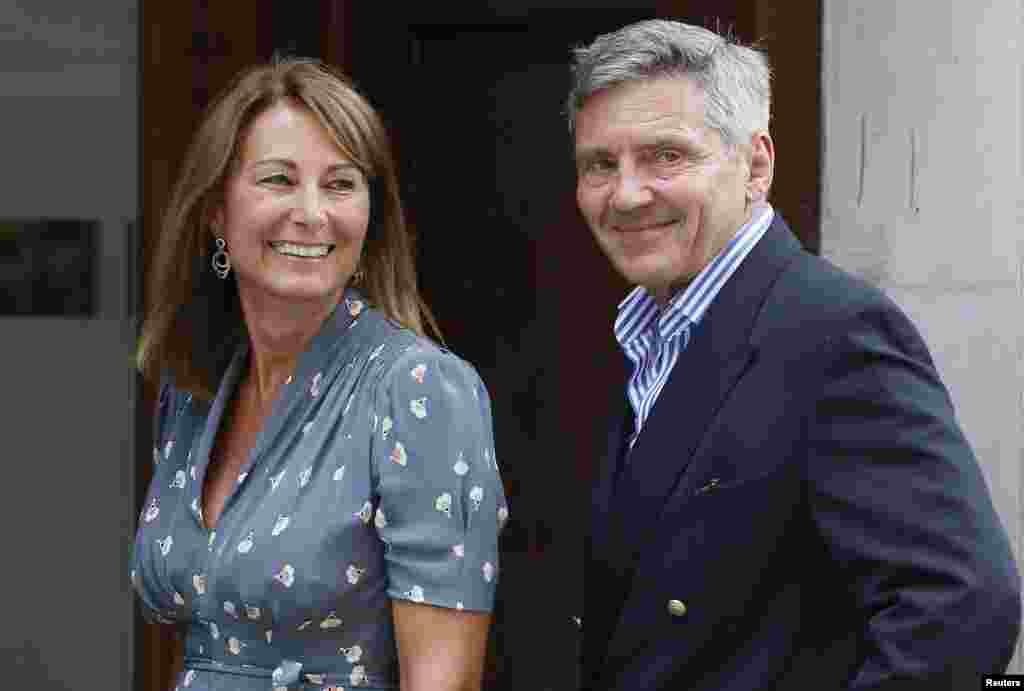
{"x": 788, "y": 501}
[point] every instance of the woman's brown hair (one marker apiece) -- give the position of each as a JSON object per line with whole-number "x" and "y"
{"x": 194, "y": 319}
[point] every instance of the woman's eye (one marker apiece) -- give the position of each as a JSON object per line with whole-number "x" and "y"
{"x": 277, "y": 179}
{"x": 342, "y": 185}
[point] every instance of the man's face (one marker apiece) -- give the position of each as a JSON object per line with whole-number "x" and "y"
{"x": 660, "y": 190}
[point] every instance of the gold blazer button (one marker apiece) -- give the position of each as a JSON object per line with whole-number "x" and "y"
{"x": 676, "y": 608}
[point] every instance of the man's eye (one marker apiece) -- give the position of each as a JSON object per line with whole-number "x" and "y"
{"x": 598, "y": 167}
{"x": 668, "y": 156}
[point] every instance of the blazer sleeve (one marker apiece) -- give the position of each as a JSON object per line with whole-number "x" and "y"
{"x": 899, "y": 497}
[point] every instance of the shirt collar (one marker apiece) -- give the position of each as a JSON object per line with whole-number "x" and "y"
{"x": 639, "y": 310}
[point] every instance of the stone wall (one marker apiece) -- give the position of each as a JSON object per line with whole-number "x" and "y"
{"x": 922, "y": 195}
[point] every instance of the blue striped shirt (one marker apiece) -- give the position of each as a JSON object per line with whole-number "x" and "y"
{"x": 652, "y": 337}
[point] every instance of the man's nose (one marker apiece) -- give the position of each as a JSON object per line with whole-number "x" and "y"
{"x": 631, "y": 190}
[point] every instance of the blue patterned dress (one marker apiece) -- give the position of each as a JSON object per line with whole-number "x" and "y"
{"x": 373, "y": 478}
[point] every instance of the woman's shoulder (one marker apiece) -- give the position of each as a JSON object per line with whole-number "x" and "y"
{"x": 402, "y": 353}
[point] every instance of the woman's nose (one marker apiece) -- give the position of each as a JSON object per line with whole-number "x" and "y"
{"x": 309, "y": 207}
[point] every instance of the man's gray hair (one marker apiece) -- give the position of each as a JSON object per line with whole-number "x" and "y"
{"x": 735, "y": 79}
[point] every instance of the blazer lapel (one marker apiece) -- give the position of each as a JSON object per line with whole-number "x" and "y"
{"x": 607, "y": 475}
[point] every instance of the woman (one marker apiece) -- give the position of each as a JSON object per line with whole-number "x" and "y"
{"x": 325, "y": 502}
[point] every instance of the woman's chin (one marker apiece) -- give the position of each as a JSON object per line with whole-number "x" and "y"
{"x": 300, "y": 293}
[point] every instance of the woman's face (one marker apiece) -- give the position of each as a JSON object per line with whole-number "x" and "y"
{"x": 295, "y": 213}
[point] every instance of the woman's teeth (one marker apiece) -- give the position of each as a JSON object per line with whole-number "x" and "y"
{"x": 290, "y": 250}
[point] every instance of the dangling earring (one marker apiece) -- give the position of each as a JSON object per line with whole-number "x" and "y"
{"x": 358, "y": 275}
{"x": 221, "y": 260}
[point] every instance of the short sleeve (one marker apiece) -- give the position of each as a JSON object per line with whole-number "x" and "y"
{"x": 441, "y": 503}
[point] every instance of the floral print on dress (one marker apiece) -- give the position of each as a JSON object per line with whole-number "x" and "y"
{"x": 476, "y": 497}
{"x": 286, "y": 576}
{"x": 235, "y": 646}
{"x": 280, "y": 525}
{"x": 355, "y": 307}
{"x": 391, "y": 426}
{"x": 354, "y": 573}
{"x": 365, "y": 512}
{"x": 398, "y": 455}
{"x": 418, "y": 406}
{"x": 352, "y": 654}
{"x": 245, "y": 546}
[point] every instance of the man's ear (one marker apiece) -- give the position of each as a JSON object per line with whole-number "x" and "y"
{"x": 762, "y": 167}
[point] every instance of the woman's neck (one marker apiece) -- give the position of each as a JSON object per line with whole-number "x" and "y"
{"x": 278, "y": 335}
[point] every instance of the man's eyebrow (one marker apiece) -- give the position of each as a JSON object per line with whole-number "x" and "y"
{"x": 591, "y": 153}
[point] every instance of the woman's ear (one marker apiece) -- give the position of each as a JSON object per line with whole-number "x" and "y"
{"x": 215, "y": 220}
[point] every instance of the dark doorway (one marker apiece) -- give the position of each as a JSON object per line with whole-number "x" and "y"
{"x": 477, "y": 110}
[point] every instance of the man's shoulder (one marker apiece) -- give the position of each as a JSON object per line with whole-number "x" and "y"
{"x": 813, "y": 295}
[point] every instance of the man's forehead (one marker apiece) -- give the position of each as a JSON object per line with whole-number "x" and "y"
{"x": 648, "y": 110}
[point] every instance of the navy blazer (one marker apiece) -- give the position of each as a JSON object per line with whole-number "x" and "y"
{"x": 801, "y": 511}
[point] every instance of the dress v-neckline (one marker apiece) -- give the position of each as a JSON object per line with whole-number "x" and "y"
{"x": 311, "y": 366}
{"x": 217, "y": 417}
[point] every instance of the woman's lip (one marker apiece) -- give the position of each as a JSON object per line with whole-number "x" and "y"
{"x": 274, "y": 243}
{"x": 279, "y": 247}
